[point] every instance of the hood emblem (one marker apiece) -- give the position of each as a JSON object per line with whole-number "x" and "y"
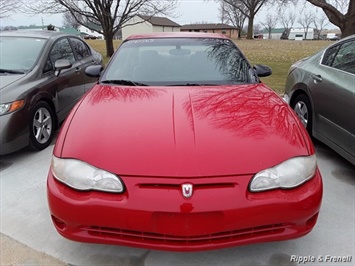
{"x": 187, "y": 190}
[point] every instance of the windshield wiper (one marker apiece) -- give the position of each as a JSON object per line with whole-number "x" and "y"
{"x": 123, "y": 82}
{"x": 194, "y": 84}
{"x": 9, "y": 71}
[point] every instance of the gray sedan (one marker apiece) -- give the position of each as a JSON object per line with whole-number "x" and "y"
{"x": 42, "y": 76}
{"x": 321, "y": 90}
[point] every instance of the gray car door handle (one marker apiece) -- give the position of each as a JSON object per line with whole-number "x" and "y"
{"x": 317, "y": 78}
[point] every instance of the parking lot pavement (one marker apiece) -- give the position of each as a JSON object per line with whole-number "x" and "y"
{"x": 25, "y": 219}
{"x": 16, "y": 253}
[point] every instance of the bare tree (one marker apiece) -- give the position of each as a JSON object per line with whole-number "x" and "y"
{"x": 249, "y": 8}
{"x": 230, "y": 14}
{"x": 341, "y": 5}
{"x": 306, "y": 20}
{"x": 339, "y": 12}
{"x": 69, "y": 21}
{"x": 319, "y": 23}
{"x": 7, "y": 6}
{"x": 109, "y": 14}
{"x": 257, "y": 28}
{"x": 270, "y": 23}
{"x": 287, "y": 20}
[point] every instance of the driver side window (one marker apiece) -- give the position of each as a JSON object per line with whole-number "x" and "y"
{"x": 60, "y": 50}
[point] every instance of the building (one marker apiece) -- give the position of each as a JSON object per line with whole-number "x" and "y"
{"x": 70, "y": 31}
{"x": 229, "y": 31}
{"x": 82, "y": 31}
{"x": 275, "y": 34}
{"x": 300, "y": 34}
{"x": 54, "y": 28}
{"x": 87, "y": 32}
{"x": 146, "y": 24}
{"x": 34, "y": 28}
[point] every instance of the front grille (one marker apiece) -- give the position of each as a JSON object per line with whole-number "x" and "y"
{"x": 227, "y": 236}
{"x": 196, "y": 186}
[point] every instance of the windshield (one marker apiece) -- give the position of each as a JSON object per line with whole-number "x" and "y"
{"x": 179, "y": 61}
{"x": 19, "y": 54}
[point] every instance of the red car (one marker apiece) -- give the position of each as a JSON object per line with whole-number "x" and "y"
{"x": 179, "y": 146}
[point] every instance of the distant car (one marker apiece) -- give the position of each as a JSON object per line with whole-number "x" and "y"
{"x": 42, "y": 76}
{"x": 90, "y": 37}
{"x": 321, "y": 90}
{"x": 179, "y": 146}
{"x": 332, "y": 37}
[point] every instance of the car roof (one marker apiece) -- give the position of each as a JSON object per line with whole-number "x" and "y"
{"x": 177, "y": 35}
{"x": 46, "y": 34}
{"x": 349, "y": 37}
{"x": 339, "y": 42}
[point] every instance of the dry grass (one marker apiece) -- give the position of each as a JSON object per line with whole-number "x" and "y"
{"x": 277, "y": 54}
{"x": 100, "y": 46}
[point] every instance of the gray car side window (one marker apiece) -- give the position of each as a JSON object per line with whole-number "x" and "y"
{"x": 60, "y": 50}
{"x": 80, "y": 48}
{"x": 341, "y": 57}
{"x": 329, "y": 55}
{"x": 345, "y": 58}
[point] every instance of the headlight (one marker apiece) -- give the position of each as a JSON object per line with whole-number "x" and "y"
{"x": 82, "y": 176}
{"x": 288, "y": 174}
{"x": 6, "y": 108}
{"x": 286, "y": 98}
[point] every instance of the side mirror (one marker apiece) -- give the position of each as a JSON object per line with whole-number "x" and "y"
{"x": 94, "y": 71}
{"x": 61, "y": 64}
{"x": 262, "y": 70}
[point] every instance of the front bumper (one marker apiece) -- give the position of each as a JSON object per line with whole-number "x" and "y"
{"x": 153, "y": 213}
{"x": 13, "y": 132}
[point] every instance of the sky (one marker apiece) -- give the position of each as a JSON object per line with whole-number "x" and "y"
{"x": 189, "y": 11}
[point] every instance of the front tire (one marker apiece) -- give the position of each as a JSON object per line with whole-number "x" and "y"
{"x": 302, "y": 107}
{"x": 41, "y": 127}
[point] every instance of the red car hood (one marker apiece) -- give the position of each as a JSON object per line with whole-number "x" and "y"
{"x": 182, "y": 132}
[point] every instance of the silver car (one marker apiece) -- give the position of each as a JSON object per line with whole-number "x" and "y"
{"x": 42, "y": 76}
{"x": 321, "y": 90}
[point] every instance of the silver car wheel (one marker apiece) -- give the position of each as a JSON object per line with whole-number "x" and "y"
{"x": 302, "y": 112}
{"x": 42, "y": 125}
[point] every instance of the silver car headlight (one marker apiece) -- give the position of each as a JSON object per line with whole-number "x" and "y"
{"x": 286, "y": 98}
{"x": 82, "y": 176}
{"x": 288, "y": 174}
{"x": 6, "y": 108}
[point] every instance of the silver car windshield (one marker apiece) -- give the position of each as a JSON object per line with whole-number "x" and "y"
{"x": 179, "y": 61}
{"x": 19, "y": 54}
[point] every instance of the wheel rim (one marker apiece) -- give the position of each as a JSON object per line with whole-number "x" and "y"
{"x": 42, "y": 125}
{"x": 302, "y": 112}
